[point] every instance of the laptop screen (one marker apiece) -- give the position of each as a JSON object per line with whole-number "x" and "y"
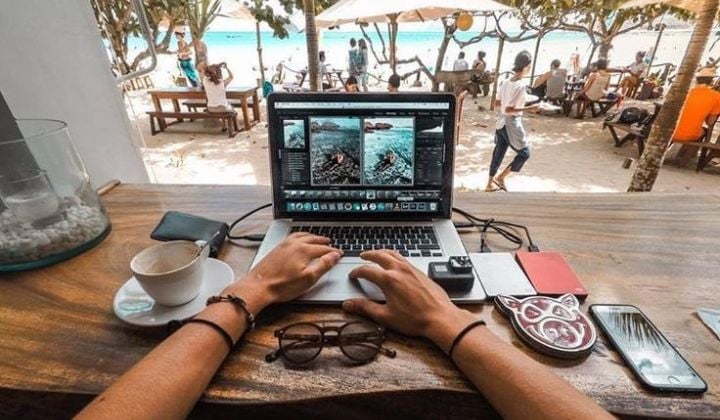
{"x": 361, "y": 156}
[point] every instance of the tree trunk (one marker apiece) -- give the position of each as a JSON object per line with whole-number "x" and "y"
{"x": 534, "y": 60}
{"x": 449, "y": 30}
{"x": 652, "y": 158}
{"x": 592, "y": 54}
{"x": 312, "y": 45}
{"x": 605, "y": 46}
{"x": 258, "y": 37}
{"x": 501, "y": 45}
{"x": 393, "y": 43}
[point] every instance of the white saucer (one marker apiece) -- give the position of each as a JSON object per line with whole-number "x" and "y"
{"x": 135, "y": 307}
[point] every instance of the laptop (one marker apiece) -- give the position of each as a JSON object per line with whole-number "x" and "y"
{"x": 369, "y": 171}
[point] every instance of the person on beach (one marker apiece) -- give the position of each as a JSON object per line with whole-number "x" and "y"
{"x": 215, "y": 85}
{"x": 595, "y": 88}
{"x": 461, "y": 64}
{"x": 551, "y": 85}
{"x": 479, "y": 64}
{"x": 168, "y": 382}
{"x": 509, "y": 130}
{"x": 201, "y": 54}
{"x": 351, "y": 85}
{"x": 352, "y": 58}
{"x": 325, "y": 75}
{"x": 575, "y": 62}
{"x": 362, "y": 64}
{"x": 701, "y": 108}
{"x": 394, "y": 83}
{"x": 636, "y": 70}
{"x": 184, "y": 54}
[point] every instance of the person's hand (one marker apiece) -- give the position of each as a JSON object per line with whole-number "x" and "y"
{"x": 295, "y": 265}
{"x": 415, "y": 305}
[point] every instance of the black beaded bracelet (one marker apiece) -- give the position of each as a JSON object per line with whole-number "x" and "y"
{"x": 228, "y": 339}
{"x": 462, "y": 334}
{"x": 238, "y": 302}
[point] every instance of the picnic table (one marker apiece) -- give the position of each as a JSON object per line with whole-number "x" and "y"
{"x": 247, "y": 96}
{"x": 61, "y": 344}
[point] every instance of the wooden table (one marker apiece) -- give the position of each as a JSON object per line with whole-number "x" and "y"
{"x": 60, "y": 343}
{"x": 175, "y": 94}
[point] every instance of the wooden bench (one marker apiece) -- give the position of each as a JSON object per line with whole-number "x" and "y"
{"x": 638, "y": 135}
{"x": 228, "y": 120}
{"x": 192, "y": 105}
{"x": 603, "y": 106}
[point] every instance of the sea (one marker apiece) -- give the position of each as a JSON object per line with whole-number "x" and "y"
{"x": 238, "y": 50}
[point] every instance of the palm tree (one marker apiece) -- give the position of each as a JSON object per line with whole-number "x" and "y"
{"x": 652, "y": 158}
{"x": 312, "y": 45}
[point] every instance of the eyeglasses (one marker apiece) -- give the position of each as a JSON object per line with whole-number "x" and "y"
{"x": 302, "y": 342}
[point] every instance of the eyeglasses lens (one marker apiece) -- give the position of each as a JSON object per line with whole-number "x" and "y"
{"x": 360, "y": 341}
{"x": 301, "y": 343}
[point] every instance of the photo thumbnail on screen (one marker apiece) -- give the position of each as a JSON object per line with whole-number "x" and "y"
{"x": 389, "y": 150}
{"x": 335, "y": 150}
{"x": 294, "y": 134}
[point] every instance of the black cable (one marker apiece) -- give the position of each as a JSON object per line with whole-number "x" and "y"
{"x": 505, "y": 229}
{"x": 256, "y": 237}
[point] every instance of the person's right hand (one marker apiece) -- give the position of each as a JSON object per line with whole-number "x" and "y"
{"x": 415, "y": 306}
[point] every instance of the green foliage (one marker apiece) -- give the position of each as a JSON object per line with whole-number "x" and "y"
{"x": 277, "y": 20}
{"x": 200, "y": 14}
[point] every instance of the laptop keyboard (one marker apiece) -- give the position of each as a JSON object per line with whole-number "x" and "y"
{"x": 409, "y": 241}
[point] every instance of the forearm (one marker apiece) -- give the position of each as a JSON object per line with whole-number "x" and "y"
{"x": 503, "y": 374}
{"x": 171, "y": 378}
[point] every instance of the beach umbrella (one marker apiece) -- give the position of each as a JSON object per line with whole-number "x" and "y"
{"x": 661, "y": 133}
{"x": 398, "y": 11}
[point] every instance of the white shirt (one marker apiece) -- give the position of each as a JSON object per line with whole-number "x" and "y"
{"x": 460, "y": 65}
{"x": 215, "y": 93}
{"x": 510, "y": 94}
{"x": 636, "y": 68}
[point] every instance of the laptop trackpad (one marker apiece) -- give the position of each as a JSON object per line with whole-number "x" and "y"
{"x": 336, "y": 286}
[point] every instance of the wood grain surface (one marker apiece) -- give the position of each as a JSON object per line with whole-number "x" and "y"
{"x": 60, "y": 338}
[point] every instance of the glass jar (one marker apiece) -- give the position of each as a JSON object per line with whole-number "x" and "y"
{"x": 48, "y": 209}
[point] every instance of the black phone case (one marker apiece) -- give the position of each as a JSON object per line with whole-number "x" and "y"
{"x": 175, "y": 226}
{"x": 632, "y": 367}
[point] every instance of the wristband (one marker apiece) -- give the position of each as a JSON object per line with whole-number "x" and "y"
{"x": 238, "y": 302}
{"x": 462, "y": 334}
{"x": 216, "y": 327}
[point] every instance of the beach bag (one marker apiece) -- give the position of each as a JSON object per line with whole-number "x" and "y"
{"x": 516, "y": 132}
{"x": 632, "y": 115}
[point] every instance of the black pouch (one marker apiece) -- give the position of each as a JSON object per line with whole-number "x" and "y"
{"x": 176, "y": 226}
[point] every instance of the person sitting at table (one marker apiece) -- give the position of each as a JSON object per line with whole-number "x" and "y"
{"x": 393, "y": 83}
{"x": 172, "y": 377}
{"x": 214, "y": 86}
{"x": 479, "y": 64}
{"x": 461, "y": 64}
{"x": 351, "y": 85}
{"x": 636, "y": 70}
{"x": 551, "y": 85}
{"x": 594, "y": 88}
{"x": 702, "y": 106}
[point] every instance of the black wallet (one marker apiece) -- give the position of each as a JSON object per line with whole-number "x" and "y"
{"x": 175, "y": 226}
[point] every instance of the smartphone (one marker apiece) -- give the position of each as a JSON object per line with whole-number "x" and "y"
{"x": 648, "y": 353}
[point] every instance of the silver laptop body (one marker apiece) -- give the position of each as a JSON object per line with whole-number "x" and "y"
{"x": 370, "y": 171}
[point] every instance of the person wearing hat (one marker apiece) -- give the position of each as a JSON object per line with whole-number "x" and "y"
{"x": 702, "y": 106}
{"x": 184, "y": 53}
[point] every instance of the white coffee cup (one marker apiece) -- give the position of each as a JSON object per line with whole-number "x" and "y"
{"x": 171, "y": 272}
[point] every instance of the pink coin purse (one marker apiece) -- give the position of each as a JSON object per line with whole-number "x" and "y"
{"x": 555, "y": 327}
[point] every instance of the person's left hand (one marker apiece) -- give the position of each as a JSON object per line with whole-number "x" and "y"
{"x": 289, "y": 270}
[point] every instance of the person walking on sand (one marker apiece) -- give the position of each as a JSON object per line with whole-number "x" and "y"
{"x": 184, "y": 54}
{"x": 509, "y": 130}
{"x": 362, "y": 64}
{"x": 575, "y": 62}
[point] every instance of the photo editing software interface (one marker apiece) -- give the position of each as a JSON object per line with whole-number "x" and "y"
{"x": 362, "y": 157}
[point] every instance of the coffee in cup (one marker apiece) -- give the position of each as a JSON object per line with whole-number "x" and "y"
{"x": 171, "y": 272}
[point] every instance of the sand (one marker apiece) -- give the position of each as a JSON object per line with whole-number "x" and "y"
{"x": 568, "y": 155}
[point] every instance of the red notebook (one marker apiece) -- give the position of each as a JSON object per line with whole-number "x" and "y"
{"x": 550, "y": 274}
